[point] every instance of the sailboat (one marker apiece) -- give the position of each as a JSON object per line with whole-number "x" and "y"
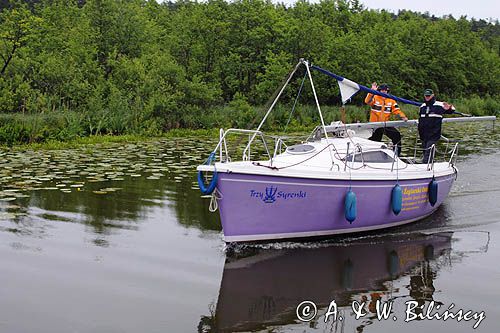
{"x": 334, "y": 182}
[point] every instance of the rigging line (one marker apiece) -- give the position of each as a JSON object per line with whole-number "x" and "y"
{"x": 215, "y": 197}
{"x": 289, "y": 77}
{"x": 352, "y": 165}
{"x": 266, "y": 106}
{"x": 336, "y": 155}
{"x": 296, "y": 100}
{"x": 275, "y": 94}
{"x": 376, "y": 168}
{"x": 347, "y": 133}
{"x": 298, "y": 163}
{"x": 396, "y": 159}
{"x": 307, "y": 159}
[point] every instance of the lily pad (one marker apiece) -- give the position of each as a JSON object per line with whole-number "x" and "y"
{"x": 100, "y": 192}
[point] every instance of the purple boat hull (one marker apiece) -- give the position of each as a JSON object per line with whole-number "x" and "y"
{"x": 257, "y": 207}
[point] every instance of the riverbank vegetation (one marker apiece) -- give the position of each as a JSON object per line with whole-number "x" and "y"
{"x": 70, "y": 69}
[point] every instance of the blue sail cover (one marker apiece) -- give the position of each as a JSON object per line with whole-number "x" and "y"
{"x": 349, "y": 88}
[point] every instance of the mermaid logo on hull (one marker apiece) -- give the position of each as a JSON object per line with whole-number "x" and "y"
{"x": 271, "y": 194}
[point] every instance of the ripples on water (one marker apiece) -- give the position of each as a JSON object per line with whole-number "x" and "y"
{"x": 115, "y": 238}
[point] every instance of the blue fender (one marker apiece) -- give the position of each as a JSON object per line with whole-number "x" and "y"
{"x": 350, "y": 206}
{"x": 201, "y": 182}
{"x": 396, "y": 199}
{"x": 211, "y": 186}
{"x": 433, "y": 192}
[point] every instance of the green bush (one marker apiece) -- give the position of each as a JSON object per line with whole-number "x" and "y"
{"x": 114, "y": 67}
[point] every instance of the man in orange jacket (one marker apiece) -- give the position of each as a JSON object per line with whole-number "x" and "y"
{"x": 381, "y": 110}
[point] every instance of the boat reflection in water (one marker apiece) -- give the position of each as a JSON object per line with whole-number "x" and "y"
{"x": 264, "y": 287}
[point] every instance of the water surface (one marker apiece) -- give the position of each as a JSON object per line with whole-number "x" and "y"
{"x": 116, "y": 238}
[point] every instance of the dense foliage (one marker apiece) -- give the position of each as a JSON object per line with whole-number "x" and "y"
{"x": 76, "y": 68}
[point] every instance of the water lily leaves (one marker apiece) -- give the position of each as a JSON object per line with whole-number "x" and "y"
{"x": 107, "y": 190}
{"x": 85, "y": 167}
{"x": 111, "y": 189}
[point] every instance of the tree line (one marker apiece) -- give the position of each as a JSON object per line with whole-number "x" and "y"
{"x": 138, "y": 66}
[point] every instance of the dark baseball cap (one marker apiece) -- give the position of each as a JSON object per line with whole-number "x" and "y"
{"x": 383, "y": 87}
{"x": 428, "y": 92}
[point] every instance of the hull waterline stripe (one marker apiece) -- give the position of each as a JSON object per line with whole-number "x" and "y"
{"x": 247, "y": 238}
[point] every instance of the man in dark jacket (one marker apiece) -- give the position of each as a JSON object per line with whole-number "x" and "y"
{"x": 430, "y": 121}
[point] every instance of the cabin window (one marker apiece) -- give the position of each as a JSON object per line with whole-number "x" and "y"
{"x": 377, "y": 156}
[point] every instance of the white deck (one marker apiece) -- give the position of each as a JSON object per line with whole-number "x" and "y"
{"x": 318, "y": 164}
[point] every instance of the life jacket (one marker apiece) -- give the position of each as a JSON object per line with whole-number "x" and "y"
{"x": 382, "y": 108}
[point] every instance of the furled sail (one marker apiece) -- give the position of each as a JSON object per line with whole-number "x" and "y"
{"x": 350, "y": 88}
